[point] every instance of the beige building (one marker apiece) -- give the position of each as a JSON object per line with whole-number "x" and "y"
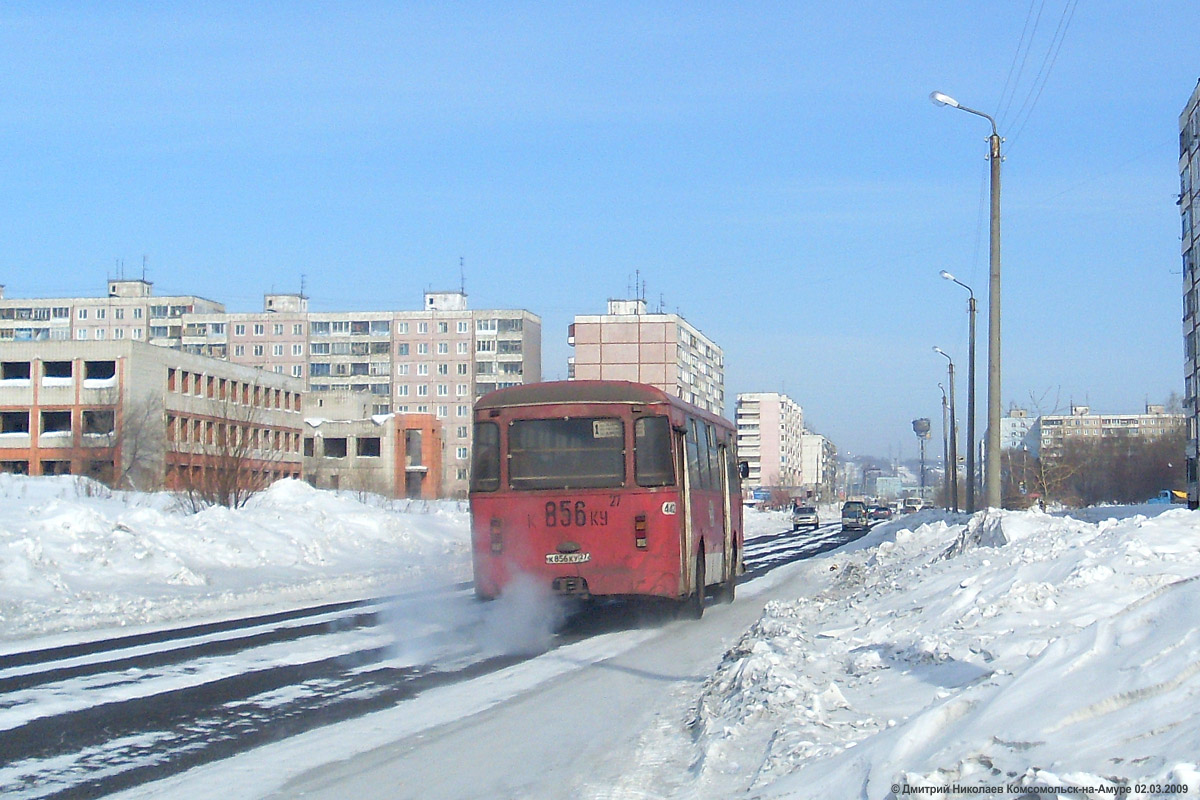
{"x": 770, "y": 427}
{"x": 662, "y": 350}
{"x": 1051, "y": 430}
{"x": 135, "y": 415}
{"x": 436, "y": 360}
{"x": 820, "y": 466}
{"x": 395, "y": 455}
{"x": 129, "y": 312}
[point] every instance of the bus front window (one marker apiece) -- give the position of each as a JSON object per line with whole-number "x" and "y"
{"x": 485, "y": 463}
{"x": 653, "y": 463}
{"x": 572, "y": 453}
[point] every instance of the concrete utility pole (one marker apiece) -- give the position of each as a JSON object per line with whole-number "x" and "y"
{"x": 991, "y": 479}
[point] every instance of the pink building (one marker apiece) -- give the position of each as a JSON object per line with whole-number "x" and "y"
{"x": 662, "y": 350}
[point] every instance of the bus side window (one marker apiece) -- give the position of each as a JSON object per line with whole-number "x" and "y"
{"x": 485, "y": 463}
{"x": 714, "y": 459}
{"x": 693, "y": 456}
{"x": 653, "y": 465}
{"x": 706, "y": 481}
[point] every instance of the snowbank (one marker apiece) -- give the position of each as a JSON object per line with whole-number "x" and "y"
{"x": 74, "y": 555}
{"x": 1019, "y": 650}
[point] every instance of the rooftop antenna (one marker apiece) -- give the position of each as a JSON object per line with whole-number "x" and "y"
{"x": 462, "y": 277}
{"x": 145, "y": 259}
{"x": 302, "y": 280}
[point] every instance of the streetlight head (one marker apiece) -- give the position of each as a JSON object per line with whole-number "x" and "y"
{"x": 943, "y": 99}
{"x": 947, "y": 275}
{"x": 939, "y": 350}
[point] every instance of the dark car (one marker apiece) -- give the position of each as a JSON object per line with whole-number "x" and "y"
{"x": 855, "y": 516}
{"x": 881, "y": 512}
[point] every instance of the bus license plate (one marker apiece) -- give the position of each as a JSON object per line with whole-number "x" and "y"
{"x": 568, "y": 558}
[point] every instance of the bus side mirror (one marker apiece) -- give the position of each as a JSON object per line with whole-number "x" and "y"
{"x": 744, "y": 469}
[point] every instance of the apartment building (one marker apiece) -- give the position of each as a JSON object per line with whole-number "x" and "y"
{"x": 140, "y": 416}
{"x": 129, "y": 312}
{"x": 1049, "y": 433}
{"x": 770, "y": 430}
{"x": 662, "y": 350}
{"x": 434, "y": 360}
{"x": 1189, "y": 210}
{"x": 820, "y": 466}
{"x": 1014, "y": 429}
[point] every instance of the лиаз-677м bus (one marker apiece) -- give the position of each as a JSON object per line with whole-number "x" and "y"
{"x": 604, "y": 489}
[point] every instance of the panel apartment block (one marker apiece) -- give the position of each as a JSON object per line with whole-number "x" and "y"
{"x": 770, "y": 430}
{"x": 662, "y": 350}
{"x": 435, "y": 360}
{"x": 1189, "y": 210}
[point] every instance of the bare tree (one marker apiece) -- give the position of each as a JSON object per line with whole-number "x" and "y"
{"x": 234, "y": 453}
{"x": 141, "y": 440}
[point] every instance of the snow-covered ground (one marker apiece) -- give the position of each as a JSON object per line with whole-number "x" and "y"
{"x": 75, "y": 556}
{"x": 1008, "y": 653}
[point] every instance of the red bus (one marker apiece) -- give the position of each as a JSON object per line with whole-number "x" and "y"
{"x": 604, "y": 489}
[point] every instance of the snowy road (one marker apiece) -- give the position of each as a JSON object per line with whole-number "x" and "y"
{"x": 91, "y": 718}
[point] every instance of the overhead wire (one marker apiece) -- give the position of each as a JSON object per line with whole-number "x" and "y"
{"x": 1047, "y": 66}
{"x": 1022, "y": 55}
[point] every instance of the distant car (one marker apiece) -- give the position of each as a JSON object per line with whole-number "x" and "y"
{"x": 1169, "y": 496}
{"x": 854, "y": 516}
{"x": 912, "y": 504}
{"x": 805, "y": 517}
{"x": 881, "y": 512}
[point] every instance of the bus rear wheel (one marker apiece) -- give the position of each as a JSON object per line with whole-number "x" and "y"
{"x": 692, "y": 606}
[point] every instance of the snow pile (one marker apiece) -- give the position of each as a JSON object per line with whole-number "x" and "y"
{"x": 1019, "y": 650}
{"x": 75, "y": 555}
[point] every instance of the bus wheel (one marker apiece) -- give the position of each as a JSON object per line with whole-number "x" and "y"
{"x": 725, "y": 592}
{"x": 693, "y": 604}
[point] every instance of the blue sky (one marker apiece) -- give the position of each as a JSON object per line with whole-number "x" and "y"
{"x": 774, "y": 172}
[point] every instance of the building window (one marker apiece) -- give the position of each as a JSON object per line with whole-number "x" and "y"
{"x": 259, "y": 329}
{"x": 278, "y": 328}
{"x": 239, "y": 330}
{"x": 239, "y": 350}
{"x": 82, "y": 313}
{"x": 462, "y": 326}
{"x": 422, "y": 327}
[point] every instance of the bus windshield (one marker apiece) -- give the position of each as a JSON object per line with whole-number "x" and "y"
{"x": 572, "y": 453}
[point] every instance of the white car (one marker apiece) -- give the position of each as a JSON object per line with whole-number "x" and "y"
{"x": 805, "y": 517}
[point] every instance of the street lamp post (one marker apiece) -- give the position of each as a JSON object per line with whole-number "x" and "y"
{"x": 945, "y": 448}
{"x": 991, "y": 481}
{"x": 953, "y": 435}
{"x": 970, "y": 392}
